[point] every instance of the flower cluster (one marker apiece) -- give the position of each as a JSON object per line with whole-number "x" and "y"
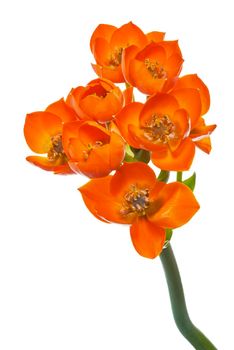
{"x": 100, "y": 129}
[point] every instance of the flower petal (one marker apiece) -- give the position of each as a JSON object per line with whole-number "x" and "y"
{"x": 142, "y": 78}
{"x": 204, "y": 144}
{"x": 39, "y": 128}
{"x": 128, "y": 95}
{"x": 155, "y": 36}
{"x": 117, "y": 150}
{"x": 114, "y": 74}
{"x": 104, "y": 31}
{"x": 128, "y": 54}
{"x": 62, "y": 110}
{"x": 189, "y": 99}
{"x": 45, "y": 164}
{"x": 193, "y": 81}
{"x": 180, "y": 160}
{"x": 101, "y": 200}
{"x": 148, "y": 239}
{"x": 138, "y": 174}
{"x": 128, "y": 34}
{"x": 73, "y": 100}
{"x": 129, "y": 115}
{"x": 176, "y": 205}
{"x": 102, "y": 52}
{"x": 162, "y": 104}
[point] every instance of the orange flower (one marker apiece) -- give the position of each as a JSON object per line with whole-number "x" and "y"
{"x": 154, "y": 68}
{"x": 107, "y": 44}
{"x": 91, "y": 149}
{"x": 169, "y": 125}
{"x": 43, "y": 134}
{"x": 99, "y": 100}
{"x": 135, "y": 197}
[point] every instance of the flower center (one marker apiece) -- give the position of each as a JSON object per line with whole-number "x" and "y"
{"x": 136, "y": 201}
{"x": 116, "y": 57}
{"x": 56, "y": 151}
{"x": 90, "y": 147}
{"x": 159, "y": 129}
{"x": 154, "y": 68}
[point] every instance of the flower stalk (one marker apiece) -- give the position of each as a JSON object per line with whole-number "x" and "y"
{"x": 178, "y": 304}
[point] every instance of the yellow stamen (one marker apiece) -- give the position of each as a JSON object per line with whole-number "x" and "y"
{"x": 56, "y": 151}
{"x": 154, "y": 68}
{"x": 159, "y": 129}
{"x": 116, "y": 57}
{"x": 136, "y": 201}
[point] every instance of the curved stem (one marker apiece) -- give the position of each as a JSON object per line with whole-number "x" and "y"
{"x": 179, "y": 176}
{"x": 178, "y": 304}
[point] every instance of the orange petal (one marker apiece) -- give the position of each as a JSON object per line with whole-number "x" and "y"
{"x": 171, "y": 47}
{"x": 39, "y": 128}
{"x": 90, "y": 204}
{"x": 104, "y": 31}
{"x": 73, "y": 100}
{"x": 102, "y": 52}
{"x": 193, "y": 81}
{"x": 181, "y": 121}
{"x": 128, "y": 34}
{"x": 91, "y": 131}
{"x": 162, "y": 104}
{"x": 45, "y": 164}
{"x": 204, "y": 144}
{"x": 62, "y": 110}
{"x": 154, "y": 52}
{"x": 128, "y": 115}
{"x": 128, "y": 95}
{"x": 173, "y": 65}
{"x": 140, "y": 77}
{"x": 113, "y": 74}
{"x": 70, "y": 130}
{"x": 201, "y": 130}
{"x": 101, "y": 109}
{"x": 96, "y": 165}
{"x": 101, "y": 200}
{"x": 175, "y": 204}
{"x": 138, "y": 174}
{"x": 180, "y": 160}
{"x": 155, "y": 36}
{"x": 189, "y": 99}
{"x": 128, "y": 54}
{"x": 148, "y": 239}
{"x": 117, "y": 150}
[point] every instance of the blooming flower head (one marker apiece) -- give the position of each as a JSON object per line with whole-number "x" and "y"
{"x": 107, "y": 44}
{"x": 135, "y": 197}
{"x": 153, "y": 68}
{"x": 91, "y": 149}
{"x": 169, "y": 125}
{"x": 100, "y": 100}
{"x": 43, "y": 134}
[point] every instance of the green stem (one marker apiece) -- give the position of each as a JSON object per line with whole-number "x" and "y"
{"x": 179, "y": 176}
{"x": 178, "y": 304}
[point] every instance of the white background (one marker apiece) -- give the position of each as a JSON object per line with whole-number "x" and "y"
{"x": 68, "y": 281}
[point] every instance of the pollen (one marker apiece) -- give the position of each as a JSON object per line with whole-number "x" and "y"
{"x": 154, "y": 68}
{"x": 56, "y": 151}
{"x": 116, "y": 57}
{"x": 136, "y": 201}
{"x": 159, "y": 129}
